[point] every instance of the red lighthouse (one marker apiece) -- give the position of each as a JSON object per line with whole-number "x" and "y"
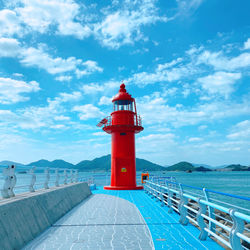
{"x": 123, "y": 124}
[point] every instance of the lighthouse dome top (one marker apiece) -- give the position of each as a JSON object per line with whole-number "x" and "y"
{"x": 122, "y": 95}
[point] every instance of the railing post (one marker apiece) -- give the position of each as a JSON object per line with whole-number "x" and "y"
{"x": 161, "y": 196}
{"x": 9, "y": 181}
{"x": 76, "y": 175}
{"x": 200, "y": 220}
{"x": 71, "y": 176}
{"x": 149, "y": 189}
{"x": 57, "y": 177}
{"x": 145, "y": 187}
{"x": 65, "y": 176}
{"x": 211, "y": 225}
{"x": 157, "y": 192}
{"x": 170, "y": 196}
{"x": 181, "y": 207}
{"x": 47, "y": 177}
{"x": 238, "y": 227}
{"x": 33, "y": 179}
{"x": 154, "y": 191}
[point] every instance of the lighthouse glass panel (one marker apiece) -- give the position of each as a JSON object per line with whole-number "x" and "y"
{"x": 123, "y": 105}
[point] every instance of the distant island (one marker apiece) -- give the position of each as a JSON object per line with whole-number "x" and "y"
{"x": 103, "y": 164}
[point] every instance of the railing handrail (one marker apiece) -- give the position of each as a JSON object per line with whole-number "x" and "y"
{"x": 10, "y": 178}
{"x": 209, "y": 190}
{"x": 137, "y": 120}
{"x": 205, "y": 217}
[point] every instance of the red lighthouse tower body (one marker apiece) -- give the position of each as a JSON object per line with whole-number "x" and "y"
{"x": 123, "y": 124}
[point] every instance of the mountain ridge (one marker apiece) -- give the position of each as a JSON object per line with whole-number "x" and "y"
{"x": 103, "y": 163}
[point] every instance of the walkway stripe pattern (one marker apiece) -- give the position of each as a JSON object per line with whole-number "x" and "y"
{"x": 120, "y": 220}
{"x": 100, "y": 222}
{"x": 166, "y": 231}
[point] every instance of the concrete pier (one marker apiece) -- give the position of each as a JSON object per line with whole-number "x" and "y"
{"x": 24, "y": 217}
{"x": 99, "y": 222}
{"x": 120, "y": 220}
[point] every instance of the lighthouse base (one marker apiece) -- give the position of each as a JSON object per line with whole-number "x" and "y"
{"x": 123, "y": 187}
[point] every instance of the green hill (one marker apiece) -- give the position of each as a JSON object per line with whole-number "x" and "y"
{"x": 142, "y": 165}
{"x": 202, "y": 169}
{"x": 40, "y": 163}
{"x": 104, "y": 164}
{"x": 181, "y": 166}
{"x": 61, "y": 164}
{"x": 52, "y": 164}
{"x": 9, "y": 163}
{"x": 237, "y": 167}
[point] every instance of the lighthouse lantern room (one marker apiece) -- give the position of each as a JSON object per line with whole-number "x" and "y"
{"x": 123, "y": 124}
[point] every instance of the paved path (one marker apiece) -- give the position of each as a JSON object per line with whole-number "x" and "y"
{"x": 100, "y": 222}
{"x": 166, "y": 231}
{"x": 121, "y": 220}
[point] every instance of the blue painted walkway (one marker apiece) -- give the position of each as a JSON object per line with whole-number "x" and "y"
{"x": 120, "y": 220}
{"x": 100, "y": 222}
{"x": 166, "y": 231}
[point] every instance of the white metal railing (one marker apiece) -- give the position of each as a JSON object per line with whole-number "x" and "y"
{"x": 47, "y": 177}
{"x": 225, "y": 224}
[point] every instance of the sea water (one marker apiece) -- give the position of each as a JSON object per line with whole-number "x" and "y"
{"x": 237, "y": 183}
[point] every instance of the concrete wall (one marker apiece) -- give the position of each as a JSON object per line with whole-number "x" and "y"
{"x": 24, "y": 217}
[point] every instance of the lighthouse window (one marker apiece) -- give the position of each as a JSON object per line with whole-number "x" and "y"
{"x": 123, "y": 105}
{"x": 122, "y": 133}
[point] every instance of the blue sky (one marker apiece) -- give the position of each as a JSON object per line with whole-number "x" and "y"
{"x": 187, "y": 63}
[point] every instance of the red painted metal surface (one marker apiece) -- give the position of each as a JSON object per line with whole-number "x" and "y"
{"x": 122, "y": 125}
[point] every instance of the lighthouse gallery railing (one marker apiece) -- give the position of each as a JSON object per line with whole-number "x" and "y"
{"x": 137, "y": 121}
{"x": 226, "y": 224}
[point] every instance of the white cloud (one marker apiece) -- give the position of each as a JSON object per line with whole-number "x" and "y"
{"x": 161, "y": 67}
{"x": 202, "y": 127}
{"x": 9, "y": 47}
{"x": 186, "y": 92}
{"x": 160, "y": 144}
{"x": 90, "y": 67}
{"x": 195, "y": 139}
{"x": 148, "y": 139}
{"x": 18, "y": 75}
{"x": 194, "y": 50}
{"x": 124, "y": 25}
{"x": 121, "y": 68}
{"x": 188, "y": 7}
{"x": 155, "y": 110}
{"x": 99, "y": 134}
{"x": 164, "y": 73}
{"x": 106, "y": 87}
{"x": 39, "y": 58}
{"x": 92, "y": 88}
{"x": 104, "y": 100}
{"x": 11, "y": 91}
{"x": 34, "y": 57}
{"x": 68, "y": 97}
{"x": 50, "y": 116}
{"x": 7, "y": 115}
{"x": 61, "y": 118}
{"x": 240, "y": 131}
{"x": 43, "y": 15}
{"x": 247, "y": 44}
{"x": 221, "y": 62}
{"x": 9, "y": 23}
{"x": 63, "y": 78}
{"x": 88, "y": 111}
{"x": 220, "y": 82}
